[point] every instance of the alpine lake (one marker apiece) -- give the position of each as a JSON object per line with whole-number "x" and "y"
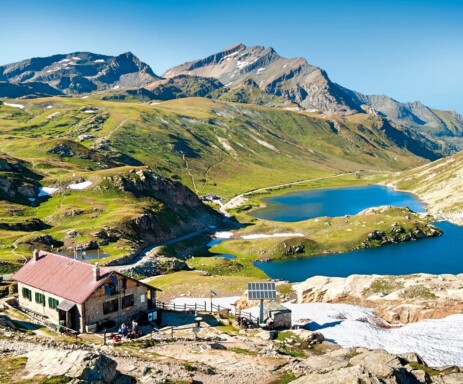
{"x": 436, "y": 255}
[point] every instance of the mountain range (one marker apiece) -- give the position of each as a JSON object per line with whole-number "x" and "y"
{"x": 250, "y": 75}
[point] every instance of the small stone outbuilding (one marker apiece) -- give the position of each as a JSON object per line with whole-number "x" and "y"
{"x": 78, "y": 295}
{"x": 278, "y": 316}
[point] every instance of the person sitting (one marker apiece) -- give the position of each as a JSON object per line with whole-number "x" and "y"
{"x": 123, "y": 329}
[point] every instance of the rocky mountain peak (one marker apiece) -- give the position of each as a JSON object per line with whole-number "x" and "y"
{"x": 293, "y": 79}
{"x": 80, "y": 72}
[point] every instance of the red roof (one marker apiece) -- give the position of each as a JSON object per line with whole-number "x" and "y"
{"x": 61, "y": 276}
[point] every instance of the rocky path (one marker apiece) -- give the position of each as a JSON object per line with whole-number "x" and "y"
{"x": 147, "y": 251}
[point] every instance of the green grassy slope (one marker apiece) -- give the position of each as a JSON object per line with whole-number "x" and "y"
{"x": 210, "y": 146}
{"x": 439, "y": 184}
{"x": 207, "y": 145}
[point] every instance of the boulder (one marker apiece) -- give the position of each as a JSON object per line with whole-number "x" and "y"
{"x": 267, "y": 335}
{"x": 315, "y": 338}
{"x": 84, "y": 367}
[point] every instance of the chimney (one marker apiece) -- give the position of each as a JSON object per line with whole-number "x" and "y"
{"x": 96, "y": 272}
{"x": 35, "y": 254}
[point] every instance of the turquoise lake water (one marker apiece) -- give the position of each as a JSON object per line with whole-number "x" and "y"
{"x": 305, "y": 205}
{"x": 435, "y": 255}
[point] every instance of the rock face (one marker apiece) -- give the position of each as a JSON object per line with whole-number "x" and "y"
{"x": 154, "y": 265}
{"x": 309, "y": 87}
{"x": 294, "y": 79}
{"x": 79, "y": 72}
{"x": 216, "y": 358}
{"x": 358, "y": 365}
{"x": 17, "y": 181}
{"x": 186, "y": 86}
{"x": 82, "y": 366}
{"x": 32, "y": 89}
{"x": 180, "y": 211}
{"x": 397, "y": 299}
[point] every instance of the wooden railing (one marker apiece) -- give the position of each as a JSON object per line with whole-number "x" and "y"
{"x": 182, "y": 307}
{"x": 197, "y": 307}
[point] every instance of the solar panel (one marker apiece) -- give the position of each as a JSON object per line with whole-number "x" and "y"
{"x": 262, "y": 291}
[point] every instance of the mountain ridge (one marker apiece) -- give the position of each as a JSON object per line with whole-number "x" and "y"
{"x": 80, "y": 72}
{"x": 229, "y": 75}
{"x": 311, "y": 89}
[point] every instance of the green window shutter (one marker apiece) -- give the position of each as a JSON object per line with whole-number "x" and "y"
{"x": 50, "y": 302}
{"x": 43, "y": 300}
{"x": 37, "y": 298}
{"x": 24, "y": 292}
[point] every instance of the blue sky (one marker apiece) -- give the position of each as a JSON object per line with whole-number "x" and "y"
{"x": 408, "y": 49}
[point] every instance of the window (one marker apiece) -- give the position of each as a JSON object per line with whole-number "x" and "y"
{"x": 39, "y": 298}
{"x": 128, "y": 301}
{"x": 110, "y": 289}
{"x": 110, "y": 306}
{"x": 53, "y": 303}
{"x": 27, "y": 293}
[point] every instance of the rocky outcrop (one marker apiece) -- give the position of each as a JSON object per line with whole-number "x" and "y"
{"x": 27, "y": 225}
{"x": 154, "y": 264}
{"x": 44, "y": 240}
{"x": 17, "y": 182}
{"x": 186, "y": 86}
{"x": 180, "y": 211}
{"x": 216, "y": 358}
{"x": 143, "y": 182}
{"x": 359, "y": 365}
{"x": 81, "y": 366}
{"x": 397, "y": 299}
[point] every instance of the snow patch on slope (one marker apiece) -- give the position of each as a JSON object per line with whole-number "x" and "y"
{"x": 265, "y": 144}
{"x": 79, "y": 186}
{"x": 13, "y": 105}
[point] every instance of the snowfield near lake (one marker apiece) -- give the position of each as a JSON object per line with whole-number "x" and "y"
{"x": 46, "y": 191}
{"x": 223, "y": 235}
{"x": 438, "y": 342}
{"x": 82, "y": 185}
{"x": 13, "y": 105}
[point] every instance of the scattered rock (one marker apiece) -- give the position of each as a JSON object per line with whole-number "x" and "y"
{"x": 267, "y": 335}
{"x": 83, "y": 366}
